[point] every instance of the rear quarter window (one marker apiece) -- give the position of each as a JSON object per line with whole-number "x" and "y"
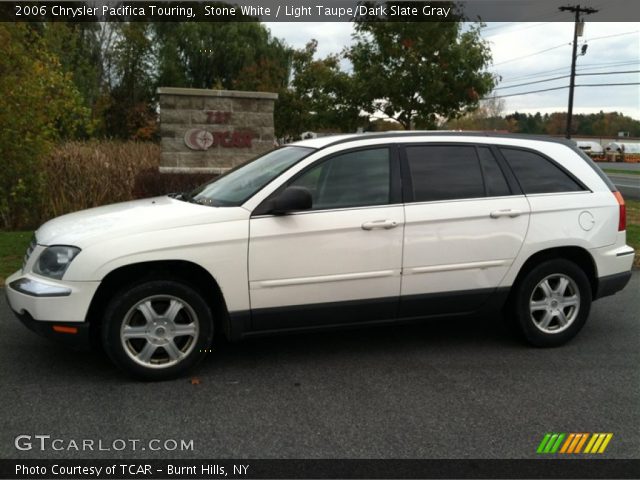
{"x": 536, "y": 174}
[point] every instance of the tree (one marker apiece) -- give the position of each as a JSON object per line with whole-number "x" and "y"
{"x": 319, "y": 96}
{"x": 38, "y": 106}
{"x": 216, "y": 55}
{"x": 418, "y": 72}
{"x": 78, "y": 48}
{"x": 130, "y": 112}
{"x": 488, "y": 116}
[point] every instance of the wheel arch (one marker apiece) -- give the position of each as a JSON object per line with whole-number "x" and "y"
{"x": 578, "y": 255}
{"x": 186, "y": 272}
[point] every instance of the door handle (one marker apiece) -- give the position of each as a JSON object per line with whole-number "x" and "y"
{"x": 386, "y": 224}
{"x": 505, "y": 213}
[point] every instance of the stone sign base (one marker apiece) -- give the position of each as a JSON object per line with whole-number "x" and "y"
{"x": 211, "y": 131}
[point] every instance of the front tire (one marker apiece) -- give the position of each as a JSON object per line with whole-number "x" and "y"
{"x": 552, "y": 303}
{"x": 157, "y": 330}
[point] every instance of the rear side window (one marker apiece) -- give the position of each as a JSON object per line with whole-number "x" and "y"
{"x": 536, "y": 174}
{"x": 444, "y": 172}
{"x": 494, "y": 180}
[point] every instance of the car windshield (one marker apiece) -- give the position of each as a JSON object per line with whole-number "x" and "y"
{"x": 238, "y": 185}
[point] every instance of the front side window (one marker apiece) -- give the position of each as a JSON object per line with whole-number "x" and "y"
{"x": 237, "y": 186}
{"x": 353, "y": 179}
{"x": 444, "y": 172}
{"x": 536, "y": 174}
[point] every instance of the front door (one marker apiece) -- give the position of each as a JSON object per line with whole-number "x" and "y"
{"x": 340, "y": 261}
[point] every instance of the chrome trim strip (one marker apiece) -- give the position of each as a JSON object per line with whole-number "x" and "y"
{"x": 456, "y": 266}
{"x": 285, "y": 282}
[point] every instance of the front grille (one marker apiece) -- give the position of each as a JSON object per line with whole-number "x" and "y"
{"x": 27, "y": 255}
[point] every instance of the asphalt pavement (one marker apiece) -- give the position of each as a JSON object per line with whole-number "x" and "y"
{"x": 628, "y": 184}
{"x": 441, "y": 389}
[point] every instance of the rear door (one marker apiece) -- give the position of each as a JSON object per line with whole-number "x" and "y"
{"x": 465, "y": 222}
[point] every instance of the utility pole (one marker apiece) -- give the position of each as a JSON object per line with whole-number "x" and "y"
{"x": 577, "y": 10}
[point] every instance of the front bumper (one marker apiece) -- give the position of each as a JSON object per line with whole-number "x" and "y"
{"x": 54, "y": 309}
{"x": 72, "y": 334}
{"x": 70, "y": 307}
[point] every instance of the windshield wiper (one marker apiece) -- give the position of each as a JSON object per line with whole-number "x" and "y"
{"x": 184, "y": 196}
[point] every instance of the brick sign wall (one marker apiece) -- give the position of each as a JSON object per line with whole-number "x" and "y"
{"x": 213, "y": 130}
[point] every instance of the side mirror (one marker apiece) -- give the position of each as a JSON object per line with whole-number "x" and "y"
{"x": 292, "y": 199}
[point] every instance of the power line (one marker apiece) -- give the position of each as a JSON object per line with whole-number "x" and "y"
{"x": 532, "y": 91}
{"x": 607, "y": 84}
{"x": 607, "y": 73}
{"x": 562, "y": 45}
{"x": 520, "y": 28}
{"x": 567, "y": 86}
{"x": 531, "y": 54}
{"x": 567, "y": 76}
{"x": 543, "y": 15}
{"x": 611, "y": 36}
{"x": 531, "y": 83}
{"x": 591, "y": 66}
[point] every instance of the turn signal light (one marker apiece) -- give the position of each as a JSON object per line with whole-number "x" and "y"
{"x": 64, "y": 329}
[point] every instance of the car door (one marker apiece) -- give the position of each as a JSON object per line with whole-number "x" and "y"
{"x": 338, "y": 262}
{"x": 465, "y": 222}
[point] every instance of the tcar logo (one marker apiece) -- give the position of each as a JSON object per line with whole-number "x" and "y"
{"x": 574, "y": 443}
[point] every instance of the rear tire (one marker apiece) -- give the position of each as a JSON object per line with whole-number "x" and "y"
{"x": 157, "y": 330}
{"x": 552, "y": 303}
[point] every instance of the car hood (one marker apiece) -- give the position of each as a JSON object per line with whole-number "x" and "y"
{"x": 87, "y": 227}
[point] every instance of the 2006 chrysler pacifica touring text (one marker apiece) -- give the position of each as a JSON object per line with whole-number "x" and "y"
{"x": 335, "y": 232}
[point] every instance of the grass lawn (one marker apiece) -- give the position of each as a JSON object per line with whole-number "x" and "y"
{"x": 13, "y": 245}
{"x": 633, "y": 228}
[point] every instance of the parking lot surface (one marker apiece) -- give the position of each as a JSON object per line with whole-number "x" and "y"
{"x": 442, "y": 389}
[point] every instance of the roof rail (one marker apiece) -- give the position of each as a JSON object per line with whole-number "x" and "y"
{"x": 449, "y": 133}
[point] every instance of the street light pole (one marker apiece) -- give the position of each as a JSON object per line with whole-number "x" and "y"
{"x": 574, "y": 56}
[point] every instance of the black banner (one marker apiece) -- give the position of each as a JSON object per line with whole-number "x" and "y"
{"x": 309, "y": 11}
{"x": 320, "y": 469}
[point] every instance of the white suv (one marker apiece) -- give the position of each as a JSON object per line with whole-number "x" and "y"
{"x": 334, "y": 232}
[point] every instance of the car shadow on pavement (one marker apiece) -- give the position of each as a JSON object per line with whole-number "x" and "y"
{"x": 450, "y": 335}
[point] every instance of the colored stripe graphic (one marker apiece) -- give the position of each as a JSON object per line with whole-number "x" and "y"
{"x": 576, "y": 439}
{"x": 572, "y": 443}
{"x": 605, "y": 443}
{"x": 567, "y": 442}
{"x": 581, "y": 443}
{"x": 543, "y": 443}
{"x": 598, "y": 443}
{"x": 555, "y": 447}
{"x": 551, "y": 443}
{"x": 591, "y": 442}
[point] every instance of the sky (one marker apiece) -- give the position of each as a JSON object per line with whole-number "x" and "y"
{"x": 518, "y": 57}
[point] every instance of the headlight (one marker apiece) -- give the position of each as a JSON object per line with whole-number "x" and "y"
{"x": 54, "y": 261}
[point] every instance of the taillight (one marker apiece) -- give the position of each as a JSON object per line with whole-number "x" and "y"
{"x": 622, "y": 221}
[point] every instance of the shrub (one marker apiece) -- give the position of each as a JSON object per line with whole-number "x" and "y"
{"x": 79, "y": 175}
{"x": 82, "y": 175}
{"x": 151, "y": 183}
{"x": 38, "y": 106}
